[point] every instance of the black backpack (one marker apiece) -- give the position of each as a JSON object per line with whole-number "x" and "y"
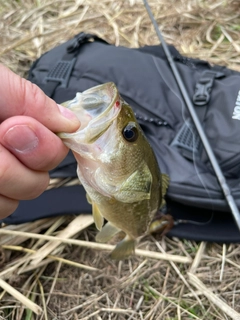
{"x": 145, "y": 81}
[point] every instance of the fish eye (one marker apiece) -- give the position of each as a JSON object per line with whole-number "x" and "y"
{"x": 130, "y": 132}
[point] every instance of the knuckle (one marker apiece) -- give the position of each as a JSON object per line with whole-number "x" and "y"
{"x": 31, "y": 96}
{"x": 5, "y": 166}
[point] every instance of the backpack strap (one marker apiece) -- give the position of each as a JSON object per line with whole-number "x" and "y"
{"x": 53, "y": 202}
{"x": 59, "y": 74}
{"x": 187, "y": 139}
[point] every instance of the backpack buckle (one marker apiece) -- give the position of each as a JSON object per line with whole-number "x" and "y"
{"x": 204, "y": 86}
{"x": 202, "y": 90}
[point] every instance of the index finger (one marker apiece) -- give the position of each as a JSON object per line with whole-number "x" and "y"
{"x": 19, "y": 96}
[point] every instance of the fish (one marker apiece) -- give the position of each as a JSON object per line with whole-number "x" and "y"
{"x": 116, "y": 166}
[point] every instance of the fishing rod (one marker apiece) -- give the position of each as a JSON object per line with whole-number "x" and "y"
{"x": 221, "y": 179}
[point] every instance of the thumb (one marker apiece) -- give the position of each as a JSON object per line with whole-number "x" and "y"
{"x": 21, "y": 97}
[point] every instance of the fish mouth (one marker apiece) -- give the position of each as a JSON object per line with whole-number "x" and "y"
{"x": 96, "y": 108}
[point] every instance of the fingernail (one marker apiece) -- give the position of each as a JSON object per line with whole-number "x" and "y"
{"x": 21, "y": 138}
{"x": 67, "y": 113}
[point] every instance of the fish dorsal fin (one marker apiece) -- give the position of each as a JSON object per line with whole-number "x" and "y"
{"x": 137, "y": 187}
{"x": 107, "y": 232}
{"x": 165, "y": 183}
{"x": 98, "y": 218}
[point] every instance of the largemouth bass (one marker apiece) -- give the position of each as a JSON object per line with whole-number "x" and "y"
{"x": 116, "y": 166}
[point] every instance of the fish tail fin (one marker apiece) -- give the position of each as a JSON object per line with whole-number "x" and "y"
{"x": 123, "y": 249}
{"x": 161, "y": 224}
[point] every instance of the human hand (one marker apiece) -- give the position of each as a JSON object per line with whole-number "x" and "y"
{"x": 28, "y": 146}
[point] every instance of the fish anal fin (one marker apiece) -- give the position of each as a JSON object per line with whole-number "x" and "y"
{"x": 107, "y": 232}
{"x": 123, "y": 249}
{"x": 98, "y": 218}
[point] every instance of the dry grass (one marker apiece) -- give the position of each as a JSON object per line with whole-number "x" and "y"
{"x": 43, "y": 278}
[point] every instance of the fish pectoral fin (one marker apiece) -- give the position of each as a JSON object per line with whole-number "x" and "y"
{"x": 89, "y": 200}
{"x": 107, "y": 232}
{"x": 124, "y": 249}
{"x": 137, "y": 187}
{"x": 97, "y": 217}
